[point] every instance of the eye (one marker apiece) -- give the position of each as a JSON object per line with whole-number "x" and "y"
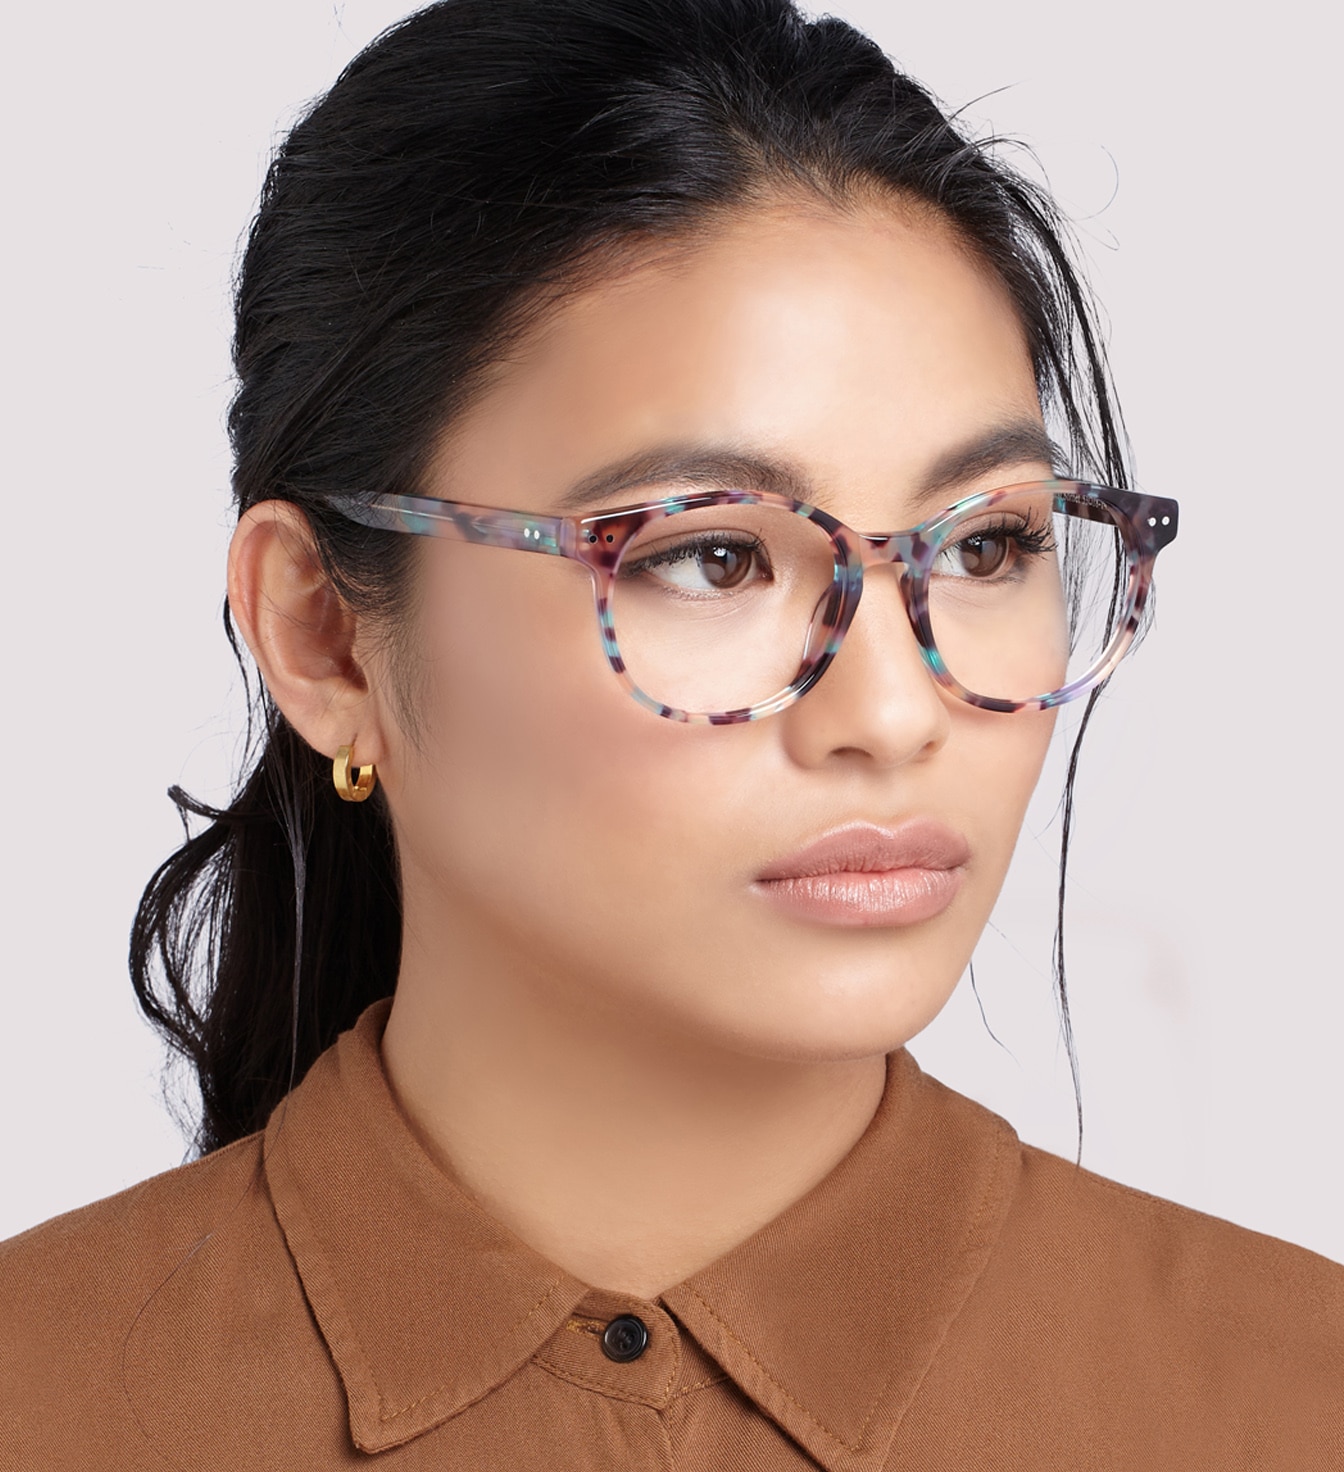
{"x": 979, "y": 555}
{"x": 706, "y": 563}
{"x": 990, "y": 552}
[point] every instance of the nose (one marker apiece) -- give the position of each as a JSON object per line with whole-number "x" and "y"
{"x": 876, "y": 701}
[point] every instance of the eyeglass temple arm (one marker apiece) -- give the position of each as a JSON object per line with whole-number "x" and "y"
{"x": 486, "y": 525}
{"x": 1153, "y": 519}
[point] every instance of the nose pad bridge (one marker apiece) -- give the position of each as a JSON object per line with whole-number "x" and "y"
{"x": 823, "y": 628}
{"x": 881, "y": 551}
{"x": 885, "y": 552}
{"x": 830, "y": 620}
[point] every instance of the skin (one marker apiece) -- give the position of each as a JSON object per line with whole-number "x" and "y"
{"x": 631, "y": 1058}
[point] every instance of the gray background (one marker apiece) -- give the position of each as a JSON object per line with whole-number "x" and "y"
{"x": 1194, "y": 146}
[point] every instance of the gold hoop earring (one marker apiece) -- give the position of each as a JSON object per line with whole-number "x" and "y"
{"x": 364, "y": 777}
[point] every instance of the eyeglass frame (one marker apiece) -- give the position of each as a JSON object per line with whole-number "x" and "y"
{"x": 598, "y": 541}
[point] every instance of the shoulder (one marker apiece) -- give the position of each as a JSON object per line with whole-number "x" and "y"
{"x": 79, "y": 1292}
{"x": 1211, "y": 1269}
{"x": 1206, "y": 1336}
{"x": 119, "y": 1243}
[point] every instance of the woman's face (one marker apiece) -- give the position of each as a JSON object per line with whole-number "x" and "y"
{"x": 549, "y": 823}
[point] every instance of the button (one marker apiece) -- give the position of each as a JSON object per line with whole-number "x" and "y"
{"x": 625, "y": 1338}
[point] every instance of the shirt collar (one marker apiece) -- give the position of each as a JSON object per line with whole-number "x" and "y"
{"x": 828, "y": 1317}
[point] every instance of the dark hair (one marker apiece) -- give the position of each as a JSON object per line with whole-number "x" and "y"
{"x": 474, "y": 160}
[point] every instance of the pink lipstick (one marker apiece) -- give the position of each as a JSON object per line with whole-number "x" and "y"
{"x": 865, "y": 875}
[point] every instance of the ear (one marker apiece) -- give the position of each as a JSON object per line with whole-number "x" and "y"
{"x": 302, "y": 636}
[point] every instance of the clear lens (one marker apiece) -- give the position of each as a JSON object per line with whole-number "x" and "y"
{"x": 719, "y": 608}
{"x": 714, "y": 609}
{"x": 1027, "y": 596}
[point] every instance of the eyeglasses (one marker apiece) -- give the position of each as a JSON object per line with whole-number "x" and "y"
{"x": 725, "y": 606}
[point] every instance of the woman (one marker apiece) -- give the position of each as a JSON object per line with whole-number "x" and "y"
{"x": 550, "y": 1031}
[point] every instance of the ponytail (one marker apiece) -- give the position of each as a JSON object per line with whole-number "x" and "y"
{"x": 268, "y": 932}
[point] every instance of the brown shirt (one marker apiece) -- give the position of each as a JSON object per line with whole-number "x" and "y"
{"x": 324, "y": 1296}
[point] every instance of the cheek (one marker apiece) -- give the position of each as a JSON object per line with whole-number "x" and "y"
{"x": 542, "y": 783}
{"x": 995, "y": 761}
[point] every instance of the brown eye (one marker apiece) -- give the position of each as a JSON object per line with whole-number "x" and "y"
{"x": 725, "y": 567}
{"x": 711, "y": 562}
{"x": 980, "y": 555}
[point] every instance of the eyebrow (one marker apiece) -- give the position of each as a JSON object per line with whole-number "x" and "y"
{"x": 1008, "y": 444}
{"x": 728, "y": 469}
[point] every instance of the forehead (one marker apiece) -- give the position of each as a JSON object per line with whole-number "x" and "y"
{"x": 859, "y": 346}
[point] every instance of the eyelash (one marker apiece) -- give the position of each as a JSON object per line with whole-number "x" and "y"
{"x": 706, "y": 543}
{"x": 1029, "y": 540}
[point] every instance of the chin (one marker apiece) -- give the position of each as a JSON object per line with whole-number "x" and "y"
{"x": 834, "y": 1017}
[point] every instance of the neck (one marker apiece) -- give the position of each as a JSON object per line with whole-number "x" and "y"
{"x": 623, "y": 1151}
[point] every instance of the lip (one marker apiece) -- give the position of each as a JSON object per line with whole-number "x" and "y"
{"x": 862, "y": 874}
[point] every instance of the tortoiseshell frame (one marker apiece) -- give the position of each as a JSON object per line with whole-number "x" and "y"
{"x": 1147, "y": 524}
